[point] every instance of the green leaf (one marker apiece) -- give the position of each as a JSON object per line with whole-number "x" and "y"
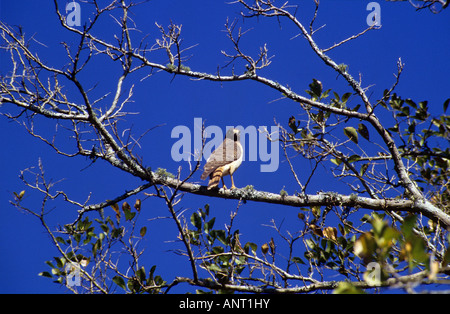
{"x": 378, "y": 225}
{"x": 60, "y": 240}
{"x": 252, "y": 246}
{"x": 217, "y": 250}
{"x": 404, "y": 112}
{"x": 446, "y": 257}
{"x": 408, "y": 224}
{"x": 389, "y": 235}
{"x": 196, "y": 220}
{"x": 117, "y": 232}
{"x": 446, "y": 103}
{"x": 325, "y": 93}
{"x": 105, "y": 228}
{"x": 129, "y": 215}
{"x": 143, "y": 231}
{"x": 60, "y": 261}
{"x": 347, "y": 288}
{"x": 214, "y": 268}
{"x": 395, "y": 128}
{"x": 319, "y": 116}
{"x": 412, "y": 127}
{"x": 310, "y": 243}
{"x": 363, "y": 169}
{"x": 133, "y": 285}
{"x": 297, "y": 260}
{"x": 336, "y": 161}
{"x": 410, "y": 102}
{"x": 353, "y": 158}
{"x": 351, "y": 133}
{"x": 96, "y": 246}
{"x": 140, "y": 274}
{"x": 150, "y": 274}
{"x": 345, "y": 97}
{"x": 362, "y": 129}
{"x": 45, "y": 274}
{"x": 337, "y": 98}
{"x": 120, "y": 282}
{"x": 316, "y": 87}
{"x": 220, "y": 235}
{"x": 209, "y": 225}
{"x": 419, "y": 253}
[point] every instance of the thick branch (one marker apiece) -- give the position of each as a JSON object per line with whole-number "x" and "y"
{"x": 321, "y": 199}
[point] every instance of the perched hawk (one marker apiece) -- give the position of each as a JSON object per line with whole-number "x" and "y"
{"x": 224, "y": 160}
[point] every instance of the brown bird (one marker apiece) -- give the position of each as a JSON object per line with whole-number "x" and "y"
{"x": 224, "y": 160}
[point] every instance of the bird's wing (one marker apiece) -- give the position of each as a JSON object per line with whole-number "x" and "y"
{"x": 226, "y": 153}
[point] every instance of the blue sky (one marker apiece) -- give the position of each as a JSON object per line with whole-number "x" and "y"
{"x": 421, "y": 39}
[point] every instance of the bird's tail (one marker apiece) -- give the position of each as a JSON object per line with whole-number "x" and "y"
{"x": 214, "y": 178}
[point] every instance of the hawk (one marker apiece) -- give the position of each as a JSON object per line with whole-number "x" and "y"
{"x": 224, "y": 160}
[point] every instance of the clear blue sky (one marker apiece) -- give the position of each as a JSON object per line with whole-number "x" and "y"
{"x": 421, "y": 39}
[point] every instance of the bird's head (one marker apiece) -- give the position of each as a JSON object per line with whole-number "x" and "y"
{"x": 233, "y": 134}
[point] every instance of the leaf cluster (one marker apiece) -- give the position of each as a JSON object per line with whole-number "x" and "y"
{"x": 222, "y": 258}
{"x": 93, "y": 246}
